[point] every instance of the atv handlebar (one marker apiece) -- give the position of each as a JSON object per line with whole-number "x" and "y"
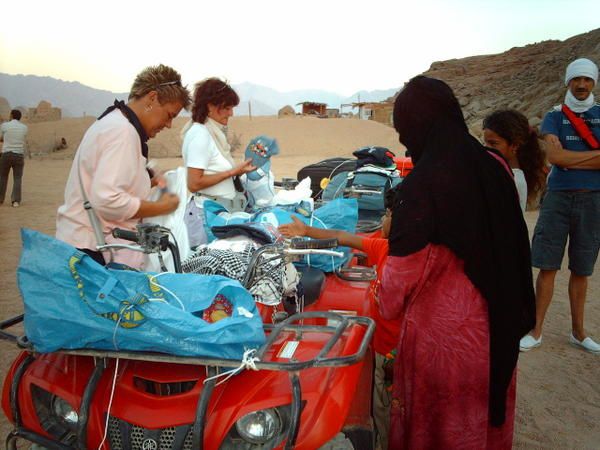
{"x": 150, "y": 238}
{"x": 127, "y": 235}
{"x": 304, "y": 244}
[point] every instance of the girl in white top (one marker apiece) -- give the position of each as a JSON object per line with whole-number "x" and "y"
{"x": 207, "y": 154}
{"x": 508, "y": 131}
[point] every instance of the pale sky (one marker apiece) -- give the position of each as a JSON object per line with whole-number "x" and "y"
{"x": 340, "y": 46}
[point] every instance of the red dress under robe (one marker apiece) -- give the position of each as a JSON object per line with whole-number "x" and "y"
{"x": 441, "y": 374}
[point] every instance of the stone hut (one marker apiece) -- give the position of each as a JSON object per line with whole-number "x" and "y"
{"x": 44, "y": 112}
{"x": 332, "y": 113}
{"x": 286, "y": 111}
{"x": 4, "y": 110}
{"x": 383, "y": 112}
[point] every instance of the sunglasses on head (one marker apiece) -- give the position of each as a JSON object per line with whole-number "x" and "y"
{"x": 169, "y": 83}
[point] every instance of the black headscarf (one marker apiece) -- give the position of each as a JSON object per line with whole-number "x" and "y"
{"x": 133, "y": 120}
{"x": 460, "y": 196}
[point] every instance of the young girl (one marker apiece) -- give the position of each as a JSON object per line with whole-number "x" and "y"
{"x": 508, "y": 131}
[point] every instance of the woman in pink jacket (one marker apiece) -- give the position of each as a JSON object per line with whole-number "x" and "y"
{"x": 109, "y": 168}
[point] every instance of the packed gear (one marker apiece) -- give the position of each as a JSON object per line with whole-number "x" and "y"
{"x": 375, "y": 174}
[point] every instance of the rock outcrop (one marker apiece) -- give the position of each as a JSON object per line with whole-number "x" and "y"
{"x": 529, "y": 79}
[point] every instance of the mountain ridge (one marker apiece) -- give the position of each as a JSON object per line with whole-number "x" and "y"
{"x": 528, "y": 78}
{"x": 76, "y": 99}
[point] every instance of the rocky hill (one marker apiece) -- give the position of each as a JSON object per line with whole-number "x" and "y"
{"x": 530, "y": 78}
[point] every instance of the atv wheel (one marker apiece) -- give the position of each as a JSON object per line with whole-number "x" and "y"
{"x": 339, "y": 442}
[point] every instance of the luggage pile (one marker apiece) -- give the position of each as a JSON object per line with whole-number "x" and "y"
{"x": 368, "y": 177}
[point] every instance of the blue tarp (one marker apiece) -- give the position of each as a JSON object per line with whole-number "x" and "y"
{"x": 72, "y": 302}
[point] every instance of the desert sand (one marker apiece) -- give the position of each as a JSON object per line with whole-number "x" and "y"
{"x": 558, "y": 386}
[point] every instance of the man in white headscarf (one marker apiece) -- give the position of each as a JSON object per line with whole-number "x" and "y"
{"x": 571, "y": 206}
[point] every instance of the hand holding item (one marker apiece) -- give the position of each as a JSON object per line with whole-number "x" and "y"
{"x": 296, "y": 228}
{"x": 169, "y": 201}
{"x": 159, "y": 181}
{"x": 260, "y": 149}
{"x": 157, "y": 177}
{"x": 243, "y": 168}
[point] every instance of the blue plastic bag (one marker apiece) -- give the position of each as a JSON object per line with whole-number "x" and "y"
{"x": 71, "y": 302}
{"x": 339, "y": 214}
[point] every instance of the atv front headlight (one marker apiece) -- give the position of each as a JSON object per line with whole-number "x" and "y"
{"x": 56, "y": 416}
{"x": 64, "y": 411}
{"x": 259, "y": 427}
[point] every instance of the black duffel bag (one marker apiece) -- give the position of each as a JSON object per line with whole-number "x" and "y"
{"x": 327, "y": 168}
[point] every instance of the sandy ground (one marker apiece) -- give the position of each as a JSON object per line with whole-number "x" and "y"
{"x": 558, "y": 386}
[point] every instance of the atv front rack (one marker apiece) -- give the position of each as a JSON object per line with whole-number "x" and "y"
{"x": 292, "y": 324}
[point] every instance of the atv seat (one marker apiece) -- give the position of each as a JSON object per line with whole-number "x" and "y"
{"x": 313, "y": 283}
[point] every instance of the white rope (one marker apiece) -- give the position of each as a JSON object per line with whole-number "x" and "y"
{"x": 248, "y": 362}
{"x": 154, "y": 283}
{"x": 123, "y": 311}
{"x": 313, "y": 217}
{"x": 112, "y": 393}
{"x": 330, "y": 176}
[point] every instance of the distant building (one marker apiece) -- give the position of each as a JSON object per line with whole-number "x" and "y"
{"x": 4, "y": 110}
{"x": 332, "y": 113}
{"x": 314, "y": 109}
{"x": 381, "y": 112}
{"x": 286, "y": 111}
{"x": 44, "y": 112}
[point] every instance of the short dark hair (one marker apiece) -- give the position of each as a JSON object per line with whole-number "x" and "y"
{"x": 214, "y": 91}
{"x": 15, "y": 114}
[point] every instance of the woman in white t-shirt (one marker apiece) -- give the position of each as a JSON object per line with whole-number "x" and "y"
{"x": 508, "y": 131}
{"x": 211, "y": 171}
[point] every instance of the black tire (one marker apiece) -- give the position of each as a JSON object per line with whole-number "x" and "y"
{"x": 339, "y": 442}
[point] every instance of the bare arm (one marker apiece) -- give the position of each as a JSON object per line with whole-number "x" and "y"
{"x": 560, "y": 157}
{"x": 198, "y": 180}
{"x": 164, "y": 205}
{"x": 299, "y": 228}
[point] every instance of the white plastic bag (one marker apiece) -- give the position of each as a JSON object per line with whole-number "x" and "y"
{"x": 262, "y": 191}
{"x": 302, "y": 192}
{"x": 177, "y": 184}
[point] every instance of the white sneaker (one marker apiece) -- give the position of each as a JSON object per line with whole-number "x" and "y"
{"x": 15, "y": 204}
{"x": 587, "y": 344}
{"x": 528, "y": 342}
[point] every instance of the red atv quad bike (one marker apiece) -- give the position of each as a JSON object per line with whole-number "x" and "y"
{"x": 310, "y": 389}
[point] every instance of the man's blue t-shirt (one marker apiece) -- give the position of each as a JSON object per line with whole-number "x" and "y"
{"x": 557, "y": 123}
